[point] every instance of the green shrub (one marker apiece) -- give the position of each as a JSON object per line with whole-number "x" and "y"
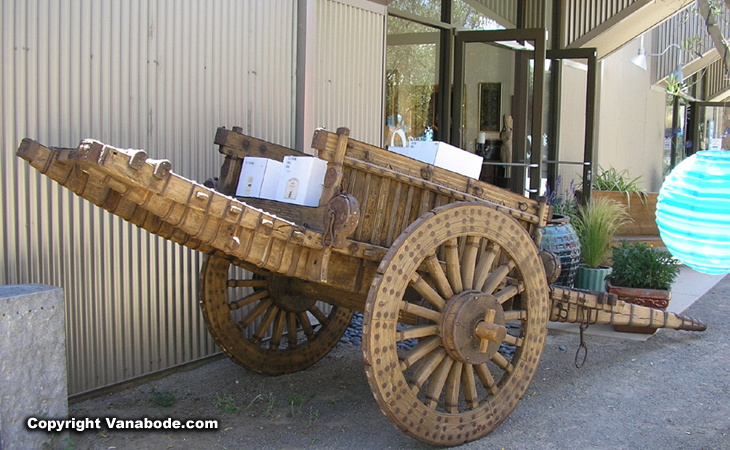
{"x": 596, "y": 224}
{"x": 621, "y": 181}
{"x": 637, "y": 265}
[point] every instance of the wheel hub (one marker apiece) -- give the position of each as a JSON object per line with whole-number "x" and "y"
{"x": 472, "y": 327}
{"x": 282, "y": 294}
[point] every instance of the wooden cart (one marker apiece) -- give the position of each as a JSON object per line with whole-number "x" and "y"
{"x": 445, "y": 268}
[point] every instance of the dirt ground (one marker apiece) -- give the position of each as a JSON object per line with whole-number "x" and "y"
{"x": 670, "y": 392}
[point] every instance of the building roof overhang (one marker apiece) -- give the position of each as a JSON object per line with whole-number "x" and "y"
{"x": 631, "y": 22}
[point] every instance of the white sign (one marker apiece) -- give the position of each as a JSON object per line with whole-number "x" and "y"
{"x": 667, "y": 144}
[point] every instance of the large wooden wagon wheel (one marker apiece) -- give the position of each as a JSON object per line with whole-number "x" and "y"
{"x": 256, "y": 318}
{"x": 466, "y": 262}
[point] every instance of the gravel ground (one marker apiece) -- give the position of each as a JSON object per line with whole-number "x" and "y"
{"x": 670, "y": 392}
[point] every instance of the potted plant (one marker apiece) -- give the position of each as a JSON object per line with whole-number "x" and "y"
{"x": 596, "y": 224}
{"x": 558, "y": 235}
{"x": 642, "y": 275}
{"x": 619, "y": 186}
{"x": 619, "y": 182}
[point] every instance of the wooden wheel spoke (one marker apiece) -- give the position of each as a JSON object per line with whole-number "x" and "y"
{"x": 416, "y": 332}
{"x": 509, "y": 292}
{"x": 470, "y": 388}
{"x": 513, "y": 340}
{"x": 278, "y": 330}
{"x": 316, "y": 312}
{"x": 437, "y": 382}
{"x": 420, "y": 311}
{"x": 439, "y": 277}
{"x": 468, "y": 261}
{"x": 502, "y": 362}
{"x": 306, "y": 325}
{"x": 426, "y": 368}
{"x": 453, "y": 266}
{"x": 254, "y": 313}
{"x": 235, "y": 283}
{"x": 497, "y": 277}
{"x": 424, "y": 347}
{"x": 265, "y": 323}
{"x": 247, "y": 300}
{"x": 484, "y": 265}
{"x": 515, "y": 314}
{"x": 427, "y": 292}
{"x": 486, "y": 378}
{"x": 453, "y": 387}
{"x": 291, "y": 330}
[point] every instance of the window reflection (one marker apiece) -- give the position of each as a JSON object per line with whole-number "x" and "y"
{"x": 410, "y": 82}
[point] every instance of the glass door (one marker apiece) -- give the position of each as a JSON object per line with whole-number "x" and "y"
{"x": 498, "y": 87}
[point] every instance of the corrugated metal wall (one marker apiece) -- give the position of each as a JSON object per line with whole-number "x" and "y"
{"x": 159, "y": 75}
{"x": 348, "y": 84}
{"x": 505, "y": 10}
{"x": 717, "y": 83}
{"x": 582, "y": 16}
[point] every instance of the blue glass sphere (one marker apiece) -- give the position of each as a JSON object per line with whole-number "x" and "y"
{"x": 693, "y": 212}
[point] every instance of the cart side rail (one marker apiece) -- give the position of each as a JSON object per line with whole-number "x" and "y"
{"x": 326, "y": 143}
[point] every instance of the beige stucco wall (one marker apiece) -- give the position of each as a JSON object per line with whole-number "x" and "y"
{"x": 630, "y": 119}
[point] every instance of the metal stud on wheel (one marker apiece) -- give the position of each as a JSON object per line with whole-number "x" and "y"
{"x": 256, "y": 318}
{"x": 479, "y": 284}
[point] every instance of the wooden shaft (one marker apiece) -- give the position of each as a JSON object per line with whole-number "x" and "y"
{"x": 489, "y": 332}
{"x": 600, "y": 308}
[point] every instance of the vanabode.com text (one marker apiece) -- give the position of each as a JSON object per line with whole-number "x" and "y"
{"x": 35, "y": 423}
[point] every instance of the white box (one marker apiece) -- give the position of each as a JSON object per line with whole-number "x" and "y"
{"x": 301, "y": 181}
{"x": 405, "y": 151}
{"x": 259, "y": 177}
{"x": 445, "y": 156}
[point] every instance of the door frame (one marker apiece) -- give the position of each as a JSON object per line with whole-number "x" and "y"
{"x": 591, "y": 125}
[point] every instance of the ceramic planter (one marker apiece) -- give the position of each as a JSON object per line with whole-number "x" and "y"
{"x": 559, "y": 238}
{"x": 653, "y": 298}
{"x": 591, "y": 279}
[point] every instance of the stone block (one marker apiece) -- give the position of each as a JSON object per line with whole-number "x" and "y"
{"x": 33, "y": 380}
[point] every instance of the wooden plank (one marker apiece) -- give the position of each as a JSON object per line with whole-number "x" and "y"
{"x": 363, "y": 190}
{"x": 403, "y": 215}
{"x": 369, "y": 208}
{"x": 306, "y": 216}
{"x": 382, "y": 207}
{"x": 396, "y": 205}
{"x": 239, "y": 146}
